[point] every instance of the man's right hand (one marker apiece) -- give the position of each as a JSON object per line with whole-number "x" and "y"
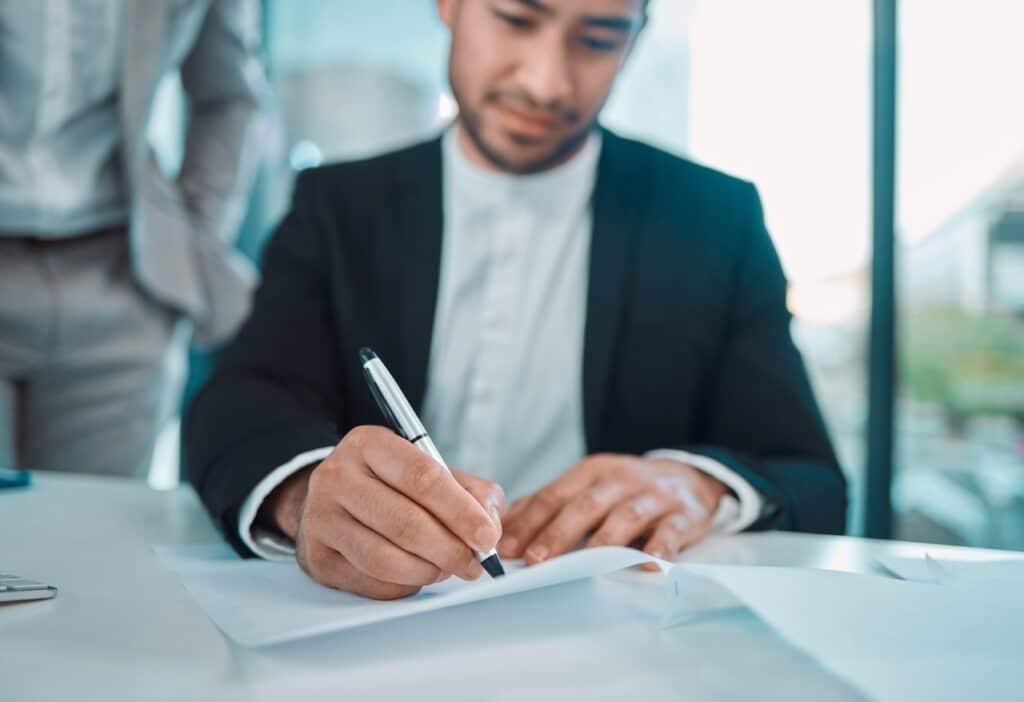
{"x": 380, "y": 518}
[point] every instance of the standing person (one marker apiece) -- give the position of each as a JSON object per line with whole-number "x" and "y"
{"x": 597, "y": 326}
{"x": 100, "y": 254}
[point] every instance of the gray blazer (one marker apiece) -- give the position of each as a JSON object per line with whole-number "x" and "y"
{"x": 182, "y": 230}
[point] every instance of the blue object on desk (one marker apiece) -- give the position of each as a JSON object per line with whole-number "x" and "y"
{"x": 11, "y": 478}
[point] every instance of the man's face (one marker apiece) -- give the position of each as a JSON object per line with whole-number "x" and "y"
{"x": 531, "y": 76}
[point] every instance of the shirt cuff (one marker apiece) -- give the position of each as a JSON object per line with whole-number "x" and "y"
{"x": 263, "y": 542}
{"x": 734, "y": 514}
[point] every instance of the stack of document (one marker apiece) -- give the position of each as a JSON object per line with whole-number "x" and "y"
{"x": 954, "y": 637}
{"x": 1009, "y": 570}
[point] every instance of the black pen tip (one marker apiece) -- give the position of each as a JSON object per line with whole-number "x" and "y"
{"x": 366, "y": 354}
{"x": 492, "y": 564}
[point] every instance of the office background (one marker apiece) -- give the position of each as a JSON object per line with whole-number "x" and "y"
{"x": 917, "y": 279}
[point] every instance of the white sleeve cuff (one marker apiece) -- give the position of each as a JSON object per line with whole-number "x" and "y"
{"x": 734, "y": 513}
{"x": 262, "y": 542}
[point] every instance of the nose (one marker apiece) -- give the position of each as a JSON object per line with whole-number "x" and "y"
{"x": 545, "y": 73}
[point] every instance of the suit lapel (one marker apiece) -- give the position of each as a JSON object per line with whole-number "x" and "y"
{"x": 620, "y": 199}
{"x": 419, "y": 222}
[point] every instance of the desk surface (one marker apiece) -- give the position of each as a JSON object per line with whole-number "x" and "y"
{"x": 123, "y": 628}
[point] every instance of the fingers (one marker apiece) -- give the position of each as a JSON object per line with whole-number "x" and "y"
{"x": 329, "y": 568}
{"x": 408, "y": 526}
{"x": 674, "y": 532}
{"x": 361, "y": 534}
{"x": 525, "y": 521}
{"x": 488, "y": 494}
{"x": 406, "y": 469}
{"x": 625, "y": 497}
{"x": 375, "y": 556}
{"x": 516, "y": 508}
{"x": 578, "y": 517}
{"x": 632, "y": 519}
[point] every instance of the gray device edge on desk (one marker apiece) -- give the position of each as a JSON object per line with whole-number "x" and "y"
{"x": 15, "y": 589}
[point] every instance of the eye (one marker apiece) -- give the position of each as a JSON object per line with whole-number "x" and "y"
{"x": 603, "y": 45}
{"x": 517, "y": 21}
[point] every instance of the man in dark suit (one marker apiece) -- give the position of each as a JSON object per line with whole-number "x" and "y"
{"x": 595, "y": 325}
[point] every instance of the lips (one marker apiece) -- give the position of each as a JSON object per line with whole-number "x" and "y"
{"x": 528, "y": 124}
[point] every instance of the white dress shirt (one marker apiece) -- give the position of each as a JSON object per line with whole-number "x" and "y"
{"x": 60, "y": 128}
{"x": 504, "y": 397}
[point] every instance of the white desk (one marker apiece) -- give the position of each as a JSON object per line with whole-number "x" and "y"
{"x": 124, "y": 629}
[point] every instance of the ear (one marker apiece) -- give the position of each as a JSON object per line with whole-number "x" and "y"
{"x": 446, "y": 11}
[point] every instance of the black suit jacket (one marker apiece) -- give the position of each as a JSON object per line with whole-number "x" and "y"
{"x": 686, "y": 345}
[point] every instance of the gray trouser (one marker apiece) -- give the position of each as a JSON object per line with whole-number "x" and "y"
{"x": 90, "y": 365}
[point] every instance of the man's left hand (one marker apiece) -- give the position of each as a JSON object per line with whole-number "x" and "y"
{"x": 618, "y": 500}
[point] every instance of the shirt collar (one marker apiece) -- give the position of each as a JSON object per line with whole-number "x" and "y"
{"x": 561, "y": 186}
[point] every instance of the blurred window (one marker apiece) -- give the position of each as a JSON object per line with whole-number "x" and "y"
{"x": 959, "y": 476}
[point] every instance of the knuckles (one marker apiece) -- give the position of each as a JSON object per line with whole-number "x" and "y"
{"x": 358, "y": 438}
{"x": 601, "y": 462}
{"x": 319, "y": 478}
{"x": 424, "y": 475}
{"x": 588, "y": 503}
{"x": 548, "y": 500}
{"x": 315, "y": 562}
{"x": 331, "y": 471}
{"x": 629, "y": 514}
{"x": 406, "y": 530}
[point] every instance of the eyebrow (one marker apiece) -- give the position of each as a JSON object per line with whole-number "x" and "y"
{"x": 537, "y": 5}
{"x": 612, "y": 22}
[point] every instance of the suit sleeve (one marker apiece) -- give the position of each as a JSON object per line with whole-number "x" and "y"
{"x": 276, "y": 390}
{"x": 762, "y": 419}
{"x": 226, "y": 89}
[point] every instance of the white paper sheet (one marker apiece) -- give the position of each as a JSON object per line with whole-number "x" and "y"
{"x": 946, "y": 571}
{"x": 259, "y": 603}
{"x": 891, "y": 639}
{"x": 894, "y": 640}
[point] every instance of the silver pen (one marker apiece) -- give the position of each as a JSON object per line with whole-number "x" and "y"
{"x": 407, "y": 424}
